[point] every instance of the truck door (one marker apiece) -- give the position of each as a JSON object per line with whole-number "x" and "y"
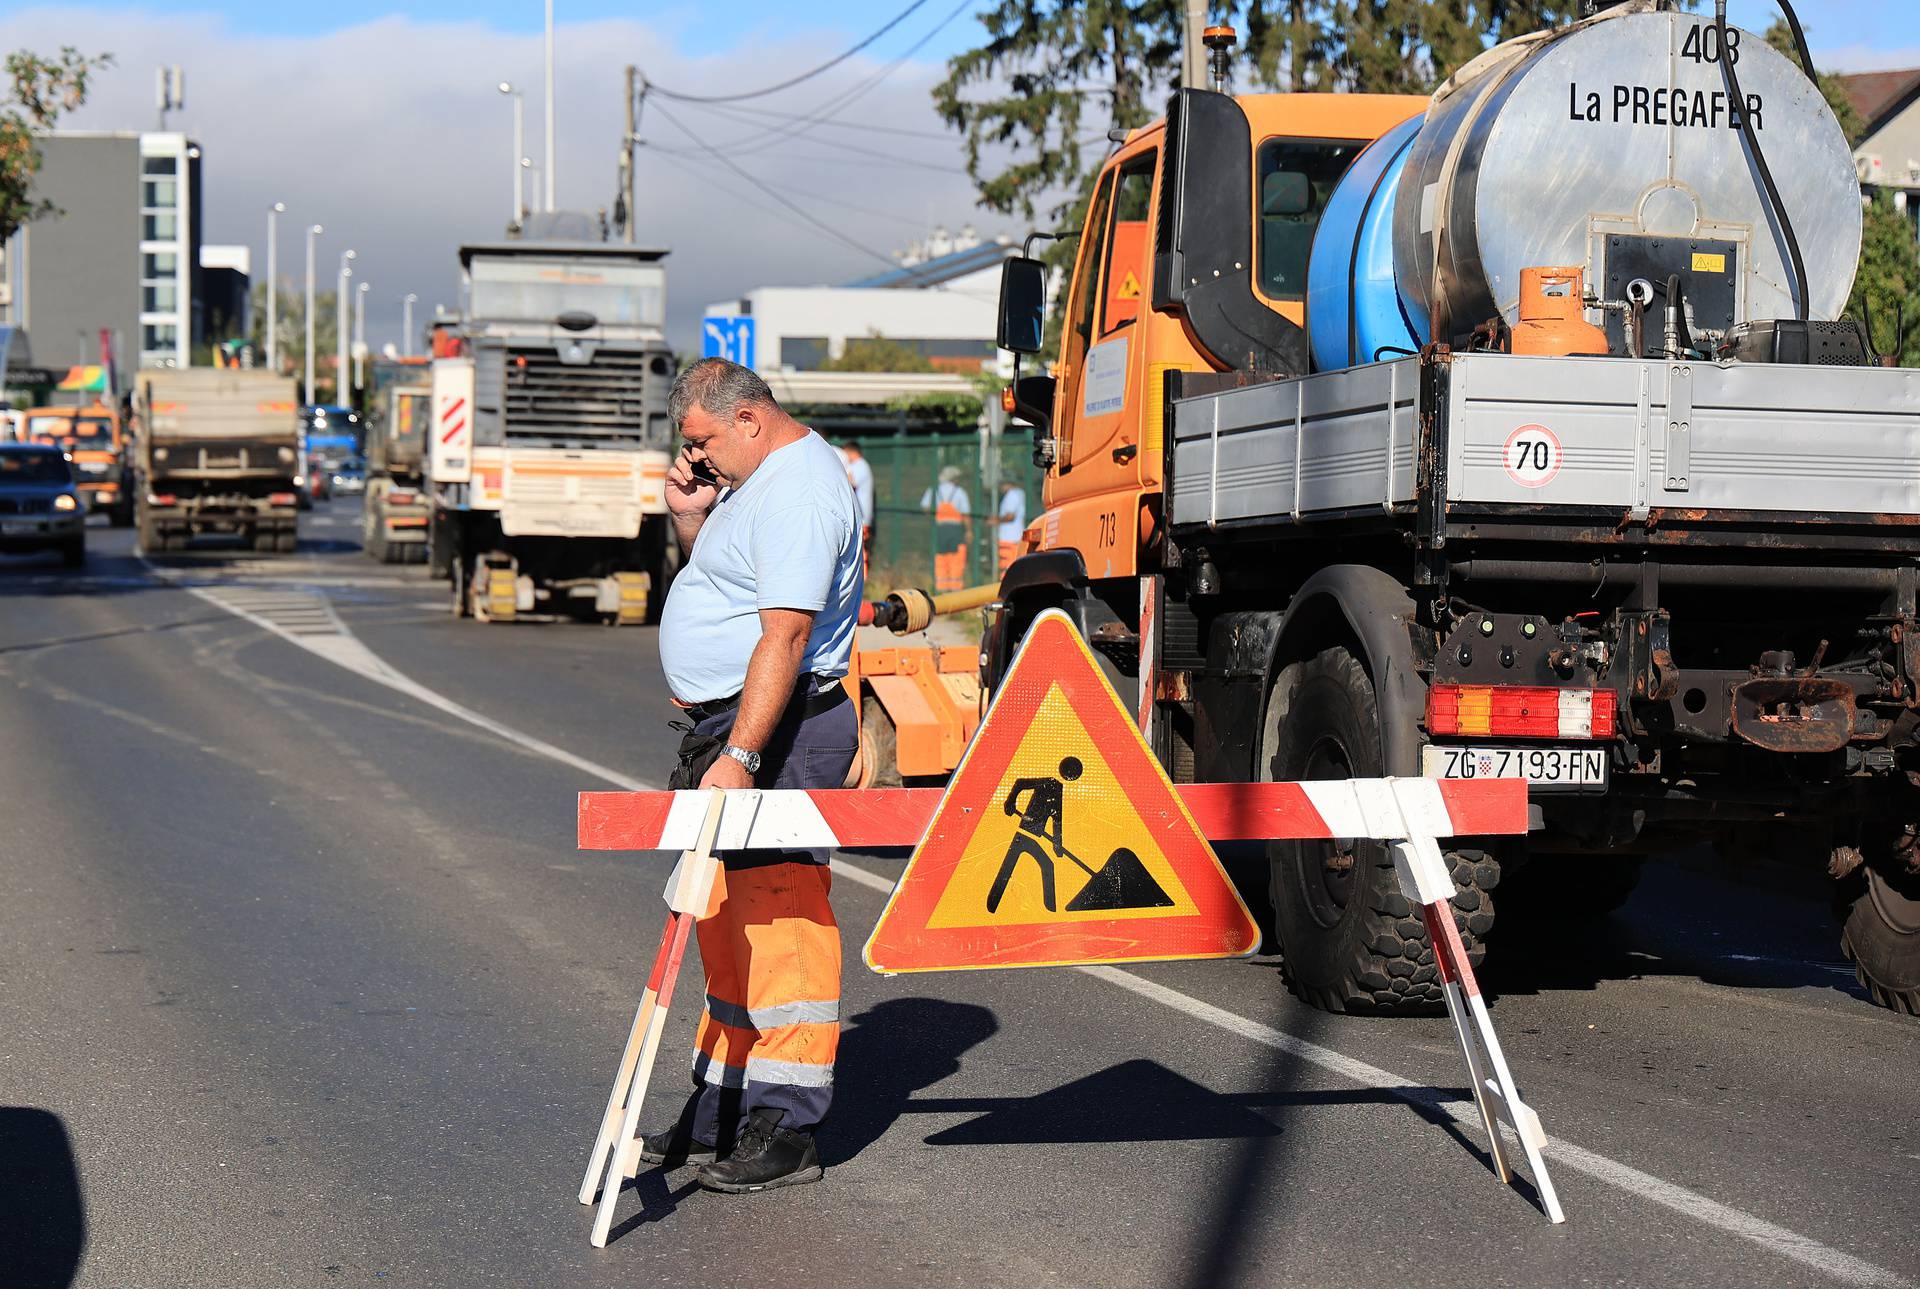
{"x": 1101, "y": 396}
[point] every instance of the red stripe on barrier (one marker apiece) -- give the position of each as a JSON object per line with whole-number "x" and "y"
{"x": 449, "y": 435}
{"x": 877, "y": 816}
{"x": 1485, "y": 807}
{"x": 1237, "y": 811}
{"x": 1449, "y": 954}
{"x": 623, "y": 820}
{"x": 452, "y": 407}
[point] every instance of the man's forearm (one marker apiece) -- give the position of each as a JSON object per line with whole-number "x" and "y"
{"x": 771, "y": 674}
{"x": 687, "y": 527}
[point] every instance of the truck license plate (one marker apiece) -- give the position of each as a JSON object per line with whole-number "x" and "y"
{"x": 1578, "y": 769}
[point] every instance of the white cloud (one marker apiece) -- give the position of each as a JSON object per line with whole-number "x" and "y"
{"x": 392, "y": 135}
{"x": 1866, "y": 58}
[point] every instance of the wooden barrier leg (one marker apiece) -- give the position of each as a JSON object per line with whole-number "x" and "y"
{"x": 1425, "y": 880}
{"x": 622, "y": 1081}
{"x": 687, "y": 893}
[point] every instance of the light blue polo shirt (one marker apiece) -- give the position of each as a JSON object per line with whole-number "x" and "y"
{"x": 787, "y": 538}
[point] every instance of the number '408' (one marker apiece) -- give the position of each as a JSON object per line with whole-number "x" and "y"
{"x": 1703, "y": 44}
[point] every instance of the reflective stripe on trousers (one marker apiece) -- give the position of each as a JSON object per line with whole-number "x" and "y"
{"x": 771, "y": 948}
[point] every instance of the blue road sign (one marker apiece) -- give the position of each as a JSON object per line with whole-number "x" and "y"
{"x": 729, "y": 338}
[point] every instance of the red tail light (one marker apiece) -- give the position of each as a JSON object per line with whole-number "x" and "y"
{"x": 1521, "y": 711}
{"x": 400, "y": 498}
{"x": 161, "y": 499}
{"x": 281, "y": 499}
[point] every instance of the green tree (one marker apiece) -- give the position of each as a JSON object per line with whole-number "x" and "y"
{"x": 290, "y": 322}
{"x": 40, "y": 90}
{"x": 875, "y": 352}
{"x": 1886, "y": 291}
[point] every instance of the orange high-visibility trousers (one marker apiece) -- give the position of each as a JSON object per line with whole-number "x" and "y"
{"x": 771, "y": 1026}
{"x": 949, "y": 547}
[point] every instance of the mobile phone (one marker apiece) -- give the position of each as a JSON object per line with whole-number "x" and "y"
{"x": 703, "y": 471}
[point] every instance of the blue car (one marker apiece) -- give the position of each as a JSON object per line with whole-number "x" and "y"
{"x": 40, "y": 503}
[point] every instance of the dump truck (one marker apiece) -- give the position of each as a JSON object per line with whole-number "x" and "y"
{"x": 397, "y": 510}
{"x": 218, "y": 449}
{"x": 96, "y": 439}
{"x": 549, "y": 443}
{"x": 1514, "y": 432}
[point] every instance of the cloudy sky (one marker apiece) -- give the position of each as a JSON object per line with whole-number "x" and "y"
{"x": 384, "y": 124}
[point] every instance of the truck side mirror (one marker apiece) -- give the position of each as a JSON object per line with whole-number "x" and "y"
{"x": 1023, "y": 305}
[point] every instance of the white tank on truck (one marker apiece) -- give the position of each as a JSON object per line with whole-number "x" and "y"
{"x": 1620, "y": 146}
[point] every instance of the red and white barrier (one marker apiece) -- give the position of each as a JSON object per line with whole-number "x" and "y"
{"x": 828, "y": 819}
{"x": 1408, "y": 814}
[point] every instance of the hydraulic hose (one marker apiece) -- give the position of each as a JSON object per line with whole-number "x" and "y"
{"x": 1801, "y": 290}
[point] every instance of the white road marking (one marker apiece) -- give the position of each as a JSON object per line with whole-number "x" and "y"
{"x": 1841, "y": 1266}
{"x": 330, "y": 639}
{"x": 338, "y": 646}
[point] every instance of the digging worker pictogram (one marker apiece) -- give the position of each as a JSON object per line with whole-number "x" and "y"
{"x": 755, "y": 639}
{"x": 1123, "y": 882}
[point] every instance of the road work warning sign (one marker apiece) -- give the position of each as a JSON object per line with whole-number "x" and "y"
{"x": 1060, "y": 841}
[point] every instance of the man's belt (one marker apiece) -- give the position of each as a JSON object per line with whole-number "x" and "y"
{"x": 815, "y": 695}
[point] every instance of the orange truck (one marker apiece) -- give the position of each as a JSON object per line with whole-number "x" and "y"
{"x": 96, "y": 438}
{"x": 1506, "y": 523}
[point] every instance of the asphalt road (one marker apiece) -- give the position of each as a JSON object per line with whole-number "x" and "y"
{"x": 303, "y": 982}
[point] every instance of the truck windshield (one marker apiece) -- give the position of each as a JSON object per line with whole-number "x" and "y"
{"x": 33, "y": 467}
{"x": 1296, "y": 176}
{"x": 92, "y": 432}
{"x": 539, "y": 289}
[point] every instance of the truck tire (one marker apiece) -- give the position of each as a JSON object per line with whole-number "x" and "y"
{"x": 460, "y": 570}
{"x": 74, "y": 553}
{"x": 373, "y": 533}
{"x": 1349, "y": 940}
{"x": 263, "y": 539}
{"x": 287, "y": 542}
{"x": 1880, "y": 934}
{"x": 148, "y": 542}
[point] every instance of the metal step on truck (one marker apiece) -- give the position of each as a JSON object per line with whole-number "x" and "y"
{"x": 549, "y": 442}
{"x": 1512, "y": 433}
{"x": 216, "y": 455}
{"x": 397, "y": 510}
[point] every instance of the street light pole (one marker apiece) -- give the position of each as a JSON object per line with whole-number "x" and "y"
{"x": 312, "y": 233}
{"x": 406, "y": 322}
{"x": 342, "y": 395}
{"x": 533, "y": 172}
{"x": 548, "y": 158}
{"x": 273, "y": 285}
{"x": 519, "y": 148}
{"x": 360, "y": 334}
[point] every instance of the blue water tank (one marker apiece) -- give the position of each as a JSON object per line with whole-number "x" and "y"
{"x": 1354, "y": 308}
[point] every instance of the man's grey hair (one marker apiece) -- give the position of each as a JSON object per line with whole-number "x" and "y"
{"x": 717, "y": 387}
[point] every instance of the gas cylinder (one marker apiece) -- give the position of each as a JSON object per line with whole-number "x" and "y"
{"x": 1553, "y": 319}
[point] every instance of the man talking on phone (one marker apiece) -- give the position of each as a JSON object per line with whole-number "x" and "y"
{"x": 755, "y": 640}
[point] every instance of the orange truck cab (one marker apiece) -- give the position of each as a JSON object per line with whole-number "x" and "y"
{"x": 1174, "y": 280}
{"x": 96, "y": 439}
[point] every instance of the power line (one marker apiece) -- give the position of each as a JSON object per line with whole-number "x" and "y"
{"x": 747, "y": 114}
{"x": 912, "y": 163}
{"x": 819, "y": 115}
{"x": 682, "y": 154}
{"x": 824, "y": 227}
{"x": 790, "y": 82}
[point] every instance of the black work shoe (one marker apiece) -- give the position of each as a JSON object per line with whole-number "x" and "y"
{"x": 675, "y": 1147}
{"x": 767, "y": 1156}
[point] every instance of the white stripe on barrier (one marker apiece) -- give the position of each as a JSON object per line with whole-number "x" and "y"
{"x": 1337, "y": 802}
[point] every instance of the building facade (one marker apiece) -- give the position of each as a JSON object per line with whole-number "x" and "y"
{"x": 1887, "y": 154}
{"x": 119, "y": 254}
{"x": 940, "y": 304}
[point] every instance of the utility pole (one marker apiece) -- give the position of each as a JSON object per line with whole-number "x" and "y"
{"x": 1193, "y": 54}
{"x": 626, "y": 147}
{"x": 549, "y": 159}
{"x": 274, "y": 212}
{"x": 312, "y": 233}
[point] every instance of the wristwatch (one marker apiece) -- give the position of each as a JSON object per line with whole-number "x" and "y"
{"x": 751, "y": 760}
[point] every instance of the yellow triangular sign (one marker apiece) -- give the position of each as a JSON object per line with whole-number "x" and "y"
{"x": 1060, "y": 840}
{"x": 1129, "y": 287}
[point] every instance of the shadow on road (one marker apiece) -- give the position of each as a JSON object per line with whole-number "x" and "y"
{"x": 888, "y": 1053}
{"x": 43, "y": 1225}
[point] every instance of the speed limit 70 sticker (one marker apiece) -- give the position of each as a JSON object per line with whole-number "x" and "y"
{"x": 1532, "y": 456}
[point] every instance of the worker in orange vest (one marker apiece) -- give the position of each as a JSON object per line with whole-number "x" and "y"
{"x": 952, "y": 528}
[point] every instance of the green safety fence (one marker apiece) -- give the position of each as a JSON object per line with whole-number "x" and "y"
{"x": 909, "y": 540}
